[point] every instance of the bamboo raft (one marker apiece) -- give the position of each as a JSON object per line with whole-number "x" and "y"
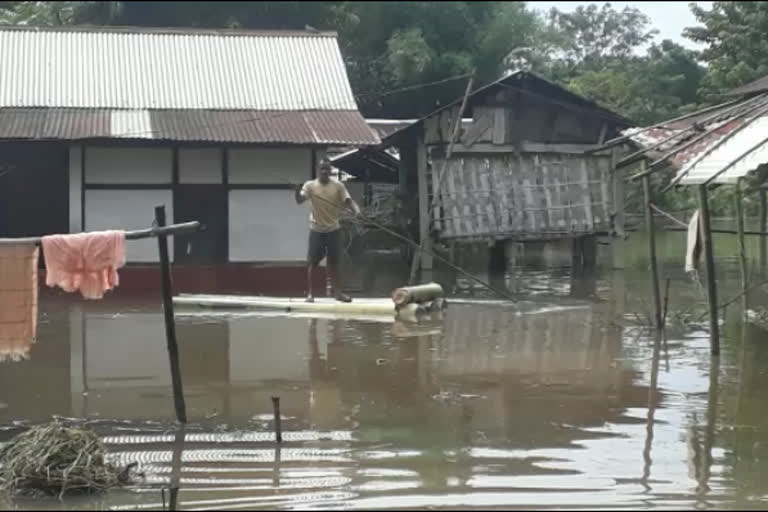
{"x": 364, "y": 306}
{"x": 406, "y": 303}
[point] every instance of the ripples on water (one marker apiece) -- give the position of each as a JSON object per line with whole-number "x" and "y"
{"x": 554, "y": 403}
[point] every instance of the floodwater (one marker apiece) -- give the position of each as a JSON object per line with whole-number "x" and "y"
{"x": 562, "y": 401}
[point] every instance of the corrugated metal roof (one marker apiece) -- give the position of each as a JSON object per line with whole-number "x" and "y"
{"x": 743, "y": 152}
{"x": 324, "y": 127}
{"x": 759, "y": 85}
{"x": 695, "y": 135}
{"x": 127, "y": 68}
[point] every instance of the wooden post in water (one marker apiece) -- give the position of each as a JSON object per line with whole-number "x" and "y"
{"x": 652, "y": 250}
{"x": 739, "y": 197}
{"x": 763, "y": 228}
{"x": 278, "y": 427}
{"x": 176, "y": 463}
{"x": 170, "y": 322}
{"x": 709, "y": 258}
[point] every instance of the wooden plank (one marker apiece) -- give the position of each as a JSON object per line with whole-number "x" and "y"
{"x": 499, "y": 125}
{"x": 574, "y": 198}
{"x": 525, "y": 147}
{"x": 603, "y": 131}
{"x": 498, "y": 183}
{"x": 479, "y": 196}
{"x": 585, "y": 189}
{"x": 424, "y": 204}
{"x": 465, "y": 197}
{"x": 438, "y": 198}
{"x": 491, "y": 204}
{"x": 605, "y": 176}
{"x": 450, "y": 180}
{"x": 528, "y": 193}
{"x": 541, "y": 170}
{"x": 617, "y": 180}
{"x": 552, "y": 194}
{"x": 445, "y": 125}
{"x": 476, "y": 131}
{"x": 432, "y": 130}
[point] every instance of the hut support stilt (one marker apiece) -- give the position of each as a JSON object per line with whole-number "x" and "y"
{"x": 763, "y": 228}
{"x": 738, "y": 198}
{"x": 706, "y": 238}
{"x": 652, "y": 251}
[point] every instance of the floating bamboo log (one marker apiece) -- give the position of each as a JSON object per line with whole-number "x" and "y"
{"x": 420, "y": 293}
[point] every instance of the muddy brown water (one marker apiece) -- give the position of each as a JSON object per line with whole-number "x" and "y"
{"x": 560, "y": 401}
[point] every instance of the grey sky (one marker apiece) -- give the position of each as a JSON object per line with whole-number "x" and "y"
{"x": 669, "y": 18}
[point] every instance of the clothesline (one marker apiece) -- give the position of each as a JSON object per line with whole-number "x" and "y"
{"x": 173, "y": 229}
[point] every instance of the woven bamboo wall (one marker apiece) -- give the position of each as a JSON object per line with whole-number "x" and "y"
{"x": 524, "y": 196}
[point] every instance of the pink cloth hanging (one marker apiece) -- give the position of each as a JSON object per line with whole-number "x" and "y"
{"x": 85, "y": 261}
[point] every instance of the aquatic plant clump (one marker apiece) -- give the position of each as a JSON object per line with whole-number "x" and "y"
{"x": 55, "y": 460}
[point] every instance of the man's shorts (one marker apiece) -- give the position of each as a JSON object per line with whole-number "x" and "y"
{"x": 322, "y": 245}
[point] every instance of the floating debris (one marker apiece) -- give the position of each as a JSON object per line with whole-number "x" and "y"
{"x": 56, "y": 460}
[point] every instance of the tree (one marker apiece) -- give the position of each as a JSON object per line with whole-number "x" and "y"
{"x": 736, "y": 48}
{"x": 592, "y": 37}
{"x": 37, "y": 13}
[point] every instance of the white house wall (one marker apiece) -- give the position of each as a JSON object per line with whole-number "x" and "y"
{"x": 129, "y": 210}
{"x": 273, "y": 166}
{"x": 267, "y": 226}
{"x": 200, "y": 165}
{"x": 124, "y": 166}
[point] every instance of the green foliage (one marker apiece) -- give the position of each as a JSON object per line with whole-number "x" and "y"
{"x": 737, "y": 49}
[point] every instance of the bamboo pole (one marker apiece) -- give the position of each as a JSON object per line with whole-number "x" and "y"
{"x": 738, "y": 198}
{"x": 652, "y": 251}
{"x": 176, "y": 466}
{"x": 425, "y": 208}
{"x": 763, "y": 229}
{"x": 170, "y": 323}
{"x": 173, "y": 229}
{"x": 706, "y": 237}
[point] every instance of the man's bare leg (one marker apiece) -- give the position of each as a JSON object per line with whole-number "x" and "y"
{"x": 310, "y": 297}
{"x": 335, "y": 287}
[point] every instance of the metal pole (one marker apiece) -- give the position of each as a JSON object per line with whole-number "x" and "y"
{"x": 706, "y": 238}
{"x": 170, "y": 323}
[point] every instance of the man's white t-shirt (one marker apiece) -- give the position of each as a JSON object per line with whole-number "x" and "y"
{"x": 327, "y": 203}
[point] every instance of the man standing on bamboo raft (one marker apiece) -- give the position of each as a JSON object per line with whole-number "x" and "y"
{"x": 328, "y": 197}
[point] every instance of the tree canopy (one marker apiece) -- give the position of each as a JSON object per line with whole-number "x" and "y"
{"x": 393, "y": 49}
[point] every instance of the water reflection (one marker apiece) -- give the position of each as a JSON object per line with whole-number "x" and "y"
{"x": 537, "y": 404}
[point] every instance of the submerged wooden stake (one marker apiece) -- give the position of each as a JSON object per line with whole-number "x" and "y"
{"x": 278, "y": 427}
{"x": 709, "y": 258}
{"x": 652, "y": 251}
{"x": 170, "y": 322}
{"x": 739, "y": 197}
